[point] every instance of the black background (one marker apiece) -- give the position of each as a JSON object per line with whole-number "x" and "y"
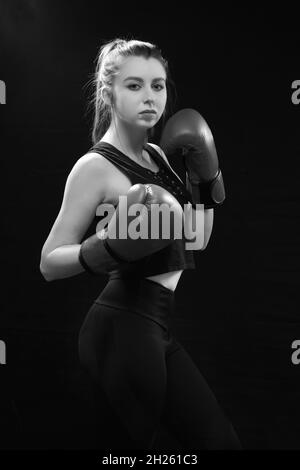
{"x": 238, "y": 314}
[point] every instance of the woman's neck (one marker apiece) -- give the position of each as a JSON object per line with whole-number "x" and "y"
{"x": 131, "y": 145}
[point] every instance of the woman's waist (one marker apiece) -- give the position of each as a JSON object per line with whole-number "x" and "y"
{"x": 140, "y": 295}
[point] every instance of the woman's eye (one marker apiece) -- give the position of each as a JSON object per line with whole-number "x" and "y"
{"x": 133, "y": 85}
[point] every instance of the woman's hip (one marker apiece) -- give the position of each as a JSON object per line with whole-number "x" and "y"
{"x": 139, "y": 296}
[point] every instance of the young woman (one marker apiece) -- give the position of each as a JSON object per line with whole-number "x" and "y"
{"x": 126, "y": 343}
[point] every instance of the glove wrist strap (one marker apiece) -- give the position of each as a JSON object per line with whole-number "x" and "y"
{"x": 211, "y": 193}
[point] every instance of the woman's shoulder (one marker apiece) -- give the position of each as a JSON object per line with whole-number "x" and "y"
{"x": 160, "y": 151}
{"x": 157, "y": 148}
{"x": 93, "y": 161}
{"x": 163, "y": 155}
{"x": 90, "y": 167}
{"x": 92, "y": 156}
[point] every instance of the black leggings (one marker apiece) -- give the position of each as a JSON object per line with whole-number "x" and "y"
{"x": 144, "y": 373}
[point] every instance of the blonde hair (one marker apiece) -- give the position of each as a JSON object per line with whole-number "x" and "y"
{"x": 107, "y": 66}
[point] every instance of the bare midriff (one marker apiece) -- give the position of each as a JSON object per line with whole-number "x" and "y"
{"x": 168, "y": 280}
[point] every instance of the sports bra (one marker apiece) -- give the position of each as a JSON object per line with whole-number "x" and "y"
{"x": 172, "y": 257}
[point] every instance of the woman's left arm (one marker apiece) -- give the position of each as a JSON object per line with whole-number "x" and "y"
{"x": 208, "y": 225}
{"x": 198, "y": 226}
{"x": 208, "y": 213}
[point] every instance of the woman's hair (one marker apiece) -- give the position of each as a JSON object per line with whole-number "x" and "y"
{"x": 108, "y": 66}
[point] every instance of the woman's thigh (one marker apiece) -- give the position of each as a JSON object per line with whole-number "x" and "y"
{"x": 124, "y": 353}
{"x": 192, "y": 413}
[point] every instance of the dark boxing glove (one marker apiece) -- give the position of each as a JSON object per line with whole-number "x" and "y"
{"x": 186, "y": 133}
{"x": 104, "y": 251}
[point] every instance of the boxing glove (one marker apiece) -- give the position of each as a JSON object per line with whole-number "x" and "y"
{"x": 187, "y": 134}
{"x": 105, "y": 251}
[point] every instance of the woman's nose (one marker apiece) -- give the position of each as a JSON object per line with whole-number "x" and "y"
{"x": 149, "y": 96}
{"x": 149, "y": 100}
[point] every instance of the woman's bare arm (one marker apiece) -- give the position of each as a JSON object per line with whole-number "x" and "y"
{"x": 208, "y": 225}
{"x": 84, "y": 190}
{"x": 208, "y": 213}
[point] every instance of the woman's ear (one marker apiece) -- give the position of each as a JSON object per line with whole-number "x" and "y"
{"x": 106, "y": 96}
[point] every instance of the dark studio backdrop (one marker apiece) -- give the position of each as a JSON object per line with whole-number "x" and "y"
{"x": 237, "y": 314}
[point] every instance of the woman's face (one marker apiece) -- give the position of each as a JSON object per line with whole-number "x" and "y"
{"x": 146, "y": 91}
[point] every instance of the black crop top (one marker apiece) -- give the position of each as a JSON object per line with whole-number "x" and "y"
{"x": 173, "y": 257}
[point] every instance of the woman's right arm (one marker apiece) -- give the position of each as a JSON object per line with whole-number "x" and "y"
{"x": 85, "y": 189}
